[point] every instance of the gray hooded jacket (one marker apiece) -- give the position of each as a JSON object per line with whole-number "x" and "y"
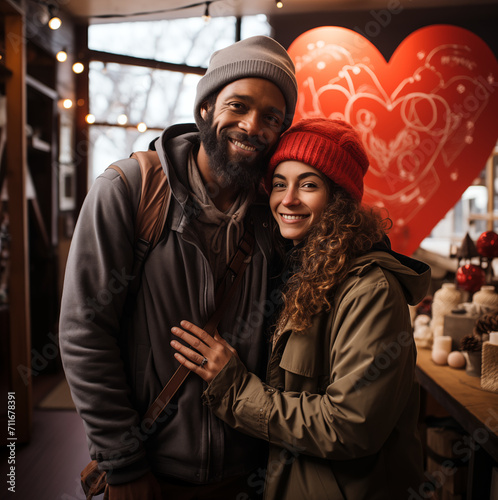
{"x": 117, "y": 356}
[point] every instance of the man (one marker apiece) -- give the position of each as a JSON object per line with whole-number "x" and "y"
{"x": 117, "y": 357}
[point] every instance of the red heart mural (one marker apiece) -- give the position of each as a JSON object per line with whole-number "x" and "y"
{"x": 428, "y": 118}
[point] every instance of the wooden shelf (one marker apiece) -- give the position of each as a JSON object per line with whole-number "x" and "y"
{"x": 461, "y": 395}
{"x": 40, "y": 145}
{"x": 42, "y": 88}
{"x": 475, "y": 409}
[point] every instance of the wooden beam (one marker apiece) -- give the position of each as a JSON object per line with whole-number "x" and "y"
{"x": 107, "y": 57}
{"x": 9, "y": 7}
{"x": 490, "y": 183}
{"x": 489, "y": 217}
{"x": 82, "y": 140}
{"x": 16, "y": 167}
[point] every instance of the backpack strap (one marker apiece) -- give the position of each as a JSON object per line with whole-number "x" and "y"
{"x": 236, "y": 268}
{"x": 152, "y": 210}
{"x": 155, "y": 198}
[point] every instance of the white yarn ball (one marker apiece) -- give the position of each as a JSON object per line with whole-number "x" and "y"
{"x": 456, "y": 359}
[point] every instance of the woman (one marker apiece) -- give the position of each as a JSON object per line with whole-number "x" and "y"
{"x": 340, "y": 403}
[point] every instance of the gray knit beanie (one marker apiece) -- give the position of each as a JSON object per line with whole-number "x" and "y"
{"x": 258, "y": 57}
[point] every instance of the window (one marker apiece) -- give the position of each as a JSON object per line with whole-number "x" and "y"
{"x": 473, "y": 214}
{"x": 122, "y": 96}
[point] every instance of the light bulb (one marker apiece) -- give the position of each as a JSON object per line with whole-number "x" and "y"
{"x": 67, "y": 103}
{"x": 280, "y": 4}
{"x": 141, "y": 127}
{"x": 122, "y": 119}
{"x": 54, "y": 23}
{"x": 206, "y": 17}
{"x": 78, "y": 67}
{"x": 61, "y": 56}
{"x": 89, "y": 118}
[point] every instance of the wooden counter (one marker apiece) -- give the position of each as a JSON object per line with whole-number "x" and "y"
{"x": 475, "y": 409}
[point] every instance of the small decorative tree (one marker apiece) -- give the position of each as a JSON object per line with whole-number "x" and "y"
{"x": 469, "y": 277}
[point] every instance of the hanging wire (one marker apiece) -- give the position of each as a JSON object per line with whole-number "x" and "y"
{"x": 161, "y": 11}
{"x": 207, "y": 16}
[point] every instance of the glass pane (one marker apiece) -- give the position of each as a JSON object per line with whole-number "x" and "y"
{"x": 255, "y": 25}
{"x": 156, "y": 97}
{"x": 109, "y": 144}
{"x": 182, "y": 41}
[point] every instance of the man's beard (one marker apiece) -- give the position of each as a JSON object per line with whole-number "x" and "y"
{"x": 237, "y": 172}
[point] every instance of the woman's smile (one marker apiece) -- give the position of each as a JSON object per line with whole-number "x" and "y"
{"x": 299, "y": 195}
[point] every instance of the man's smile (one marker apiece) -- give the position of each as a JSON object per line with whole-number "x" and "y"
{"x": 245, "y": 147}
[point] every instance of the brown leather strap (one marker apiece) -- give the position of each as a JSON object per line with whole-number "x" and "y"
{"x": 123, "y": 176}
{"x": 155, "y": 198}
{"x": 236, "y": 267}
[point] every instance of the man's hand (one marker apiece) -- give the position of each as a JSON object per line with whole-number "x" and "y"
{"x": 144, "y": 488}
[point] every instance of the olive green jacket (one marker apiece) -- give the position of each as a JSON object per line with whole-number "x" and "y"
{"x": 340, "y": 404}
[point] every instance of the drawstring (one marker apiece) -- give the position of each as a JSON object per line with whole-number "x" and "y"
{"x": 233, "y": 222}
{"x": 222, "y": 221}
{"x": 216, "y": 241}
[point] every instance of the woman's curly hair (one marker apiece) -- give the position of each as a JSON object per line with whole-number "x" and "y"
{"x": 345, "y": 231}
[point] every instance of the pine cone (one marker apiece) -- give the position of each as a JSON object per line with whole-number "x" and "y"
{"x": 470, "y": 343}
{"x": 485, "y": 324}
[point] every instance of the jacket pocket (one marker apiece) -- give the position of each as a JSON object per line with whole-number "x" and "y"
{"x": 302, "y": 366}
{"x": 307, "y": 354}
{"x": 299, "y": 356}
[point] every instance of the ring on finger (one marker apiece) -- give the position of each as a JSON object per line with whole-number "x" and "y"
{"x": 203, "y": 362}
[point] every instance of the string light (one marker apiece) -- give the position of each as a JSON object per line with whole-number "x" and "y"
{"x": 122, "y": 119}
{"x": 162, "y": 11}
{"x": 67, "y": 103}
{"x": 206, "y": 17}
{"x": 55, "y": 23}
{"x": 89, "y": 118}
{"x": 48, "y": 13}
{"x": 61, "y": 56}
{"x": 280, "y": 4}
{"x": 141, "y": 127}
{"x": 78, "y": 67}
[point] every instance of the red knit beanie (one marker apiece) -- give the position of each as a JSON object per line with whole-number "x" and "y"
{"x": 331, "y": 146}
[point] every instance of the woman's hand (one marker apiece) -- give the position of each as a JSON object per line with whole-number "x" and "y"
{"x": 213, "y": 353}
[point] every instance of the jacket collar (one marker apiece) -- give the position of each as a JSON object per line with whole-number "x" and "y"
{"x": 174, "y": 147}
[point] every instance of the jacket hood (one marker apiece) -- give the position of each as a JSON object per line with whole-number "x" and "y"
{"x": 413, "y": 275}
{"x": 173, "y": 147}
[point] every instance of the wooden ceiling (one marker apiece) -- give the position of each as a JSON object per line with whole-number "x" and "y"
{"x": 103, "y": 10}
